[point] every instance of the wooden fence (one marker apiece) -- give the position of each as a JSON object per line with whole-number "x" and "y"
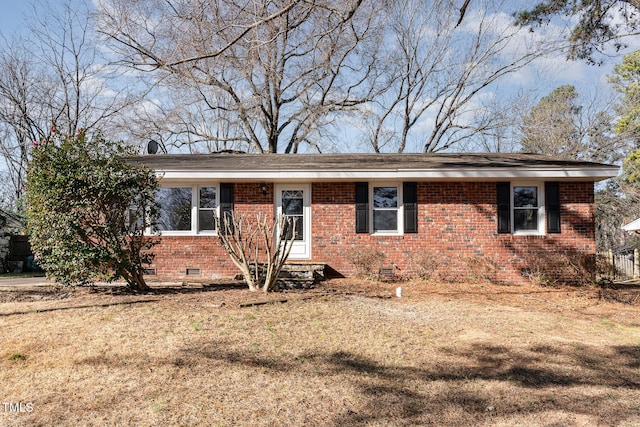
{"x": 621, "y": 267}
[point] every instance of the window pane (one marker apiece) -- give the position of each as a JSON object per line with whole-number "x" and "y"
{"x": 175, "y": 208}
{"x": 292, "y": 194}
{"x": 291, "y": 205}
{"x": 206, "y": 221}
{"x": 207, "y": 205}
{"x": 385, "y": 220}
{"x": 298, "y": 221}
{"x": 385, "y": 197}
{"x": 208, "y": 197}
{"x": 135, "y": 218}
{"x": 525, "y": 219}
{"x": 525, "y": 197}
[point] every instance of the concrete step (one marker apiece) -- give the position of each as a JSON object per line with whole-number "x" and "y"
{"x": 286, "y": 283}
{"x": 300, "y": 275}
{"x": 303, "y": 271}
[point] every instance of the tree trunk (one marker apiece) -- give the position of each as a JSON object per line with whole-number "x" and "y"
{"x": 136, "y": 282}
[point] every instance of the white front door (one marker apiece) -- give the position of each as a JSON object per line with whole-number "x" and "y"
{"x": 294, "y": 201}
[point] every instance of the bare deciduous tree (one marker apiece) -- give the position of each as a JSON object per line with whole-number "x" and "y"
{"x": 497, "y": 117}
{"x": 53, "y": 78}
{"x": 560, "y": 126}
{"x": 616, "y": 204}
{"x": 438, "y": 69}
{"x": 277, "y": 70}
{"x": 258, "y": 247}
{"x": 180, "y": 120}
{"x": 20, "y": 115}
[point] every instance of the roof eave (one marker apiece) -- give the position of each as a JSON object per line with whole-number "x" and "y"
{"x": 596, "y": 173}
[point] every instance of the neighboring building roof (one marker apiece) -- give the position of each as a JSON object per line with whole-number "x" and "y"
{"x": 446, "y": 166}
{"x": 632, "y": 226}
{"x": 8, "y": 220}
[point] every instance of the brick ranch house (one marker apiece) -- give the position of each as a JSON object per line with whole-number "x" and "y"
{"x": 460, "y": 215}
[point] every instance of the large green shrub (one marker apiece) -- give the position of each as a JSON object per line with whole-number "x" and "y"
{"x": 87, "y": 210}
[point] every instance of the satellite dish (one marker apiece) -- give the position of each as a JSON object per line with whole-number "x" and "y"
{"x": 152, "y": 147}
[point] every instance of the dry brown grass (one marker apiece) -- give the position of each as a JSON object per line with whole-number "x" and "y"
{"x": 347, "y": 353}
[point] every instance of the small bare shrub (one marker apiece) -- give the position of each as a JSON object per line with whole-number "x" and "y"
{"x": 452, "y": 269}
{"x": 554, "y": 268}
{"x": 423, "y": 265}
{"x": 480, "y": 268}
{"x": 258, "y": 247}
{"x": 365, "y": 259}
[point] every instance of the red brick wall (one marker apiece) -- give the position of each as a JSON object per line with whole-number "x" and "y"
{"x": 457, "y": 232}
{"x": 177, "y": 253}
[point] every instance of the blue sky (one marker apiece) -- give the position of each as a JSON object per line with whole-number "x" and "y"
{"x": 11, "y": 14}
{"x": 559, "y": 71}
{"x": 533, "y": 82}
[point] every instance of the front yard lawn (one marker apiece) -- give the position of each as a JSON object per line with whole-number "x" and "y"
{"x": 347, "y": 353}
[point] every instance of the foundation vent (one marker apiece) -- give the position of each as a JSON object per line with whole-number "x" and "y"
{"x": 193, "y": 272}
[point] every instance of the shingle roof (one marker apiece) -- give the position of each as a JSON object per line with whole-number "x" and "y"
{"x": 9, "y": 220}
{"x": 225, "y": 161}
{"x": 446, "y": 165}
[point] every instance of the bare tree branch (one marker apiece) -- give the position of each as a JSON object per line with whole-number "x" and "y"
{"x": 276, "y": 71}
{"x": 439, "y": 69}
{"x": 258, "y": 247}
{"x": 53, "y": 80}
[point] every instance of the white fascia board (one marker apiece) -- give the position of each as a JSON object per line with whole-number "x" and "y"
{"x": 632, "y": 226}
{"x": 457, "y": 174}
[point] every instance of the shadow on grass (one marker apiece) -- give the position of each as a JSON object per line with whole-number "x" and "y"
{"x": 480, "y": 382}
{"x": 76, "y": 307}
{"x": 157, "y": 289}
{"x": 52, "y": 294}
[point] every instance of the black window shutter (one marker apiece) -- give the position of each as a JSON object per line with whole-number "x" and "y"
{"x": 226, "y": 203}
{"x": 552, "y": 206}
{"x": 503, "y": 190}
{"x": 410, "y": 198}
{"x": 362, "y": 207}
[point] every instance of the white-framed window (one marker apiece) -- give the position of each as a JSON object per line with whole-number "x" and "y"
{"x": 207, "y": 208}
{"x": 527, "y": 208}
{"x": 187, "y": 209}
{"x": 293, "y": 208}
{"x": 175, "y": 208}
{"x": 386, "y": 208}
